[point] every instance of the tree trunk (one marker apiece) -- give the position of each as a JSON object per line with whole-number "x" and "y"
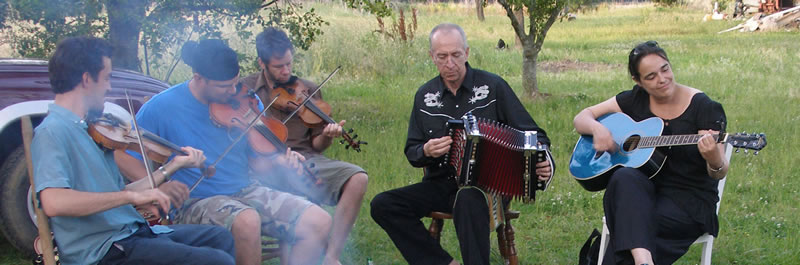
{"x": 124, "y": 26}
{"x": 479, "y": 7}
{"x": 530, "y": 54}
{"x": 521, "y": 18}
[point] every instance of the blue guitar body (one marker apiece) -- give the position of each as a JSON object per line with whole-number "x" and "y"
{"x": 593, "y": 169}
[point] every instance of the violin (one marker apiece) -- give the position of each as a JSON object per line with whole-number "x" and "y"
{"x": 314, "y": 113}
{"x": 113, "y": 134}
{"x": 268, "y": 135}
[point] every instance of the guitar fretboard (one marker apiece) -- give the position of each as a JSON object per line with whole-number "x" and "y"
{"x": 670, "y": 140}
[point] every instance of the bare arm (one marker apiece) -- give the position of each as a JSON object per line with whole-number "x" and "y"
{"x": 69, "y": 202}
{"x": 586, "y": 124}
{"x": 586, "y": 121}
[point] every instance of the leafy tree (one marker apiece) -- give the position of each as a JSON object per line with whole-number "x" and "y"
{"x": 155, "y": 25}
{"x": 541, "y": 16}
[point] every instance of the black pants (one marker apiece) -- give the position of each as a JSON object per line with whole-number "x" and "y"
{"x": 399, "y": 212}
{"x": 638, "y": 217}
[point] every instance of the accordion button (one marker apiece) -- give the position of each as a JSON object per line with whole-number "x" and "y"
{"x": 430, "y": 131}
{"x": 456, "y": 106}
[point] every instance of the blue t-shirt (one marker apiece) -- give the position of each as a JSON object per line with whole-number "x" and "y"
{"x": 177, "y": 116}
{"x": 65, "y": 156}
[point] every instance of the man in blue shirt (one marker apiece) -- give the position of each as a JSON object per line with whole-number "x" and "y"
{"x": 81, "y": 189}
{"x": 229, "y": 198}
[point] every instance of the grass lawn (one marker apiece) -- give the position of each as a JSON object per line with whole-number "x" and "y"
{"x": 754, "y": 76}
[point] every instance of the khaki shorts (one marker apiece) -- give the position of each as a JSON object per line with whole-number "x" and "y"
{"x": 331, "y": 173}
{"x": 279, "y": 211}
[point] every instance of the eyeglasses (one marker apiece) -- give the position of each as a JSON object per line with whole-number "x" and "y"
{"x": 650, "y": 43}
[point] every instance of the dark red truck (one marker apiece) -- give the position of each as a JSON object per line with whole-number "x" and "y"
{"x": 25, "y": 90}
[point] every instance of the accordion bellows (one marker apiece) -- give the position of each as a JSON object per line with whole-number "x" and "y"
{"x": 495, "y": 157}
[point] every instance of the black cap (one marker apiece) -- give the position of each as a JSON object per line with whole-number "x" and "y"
{"x": 211, "y": 58}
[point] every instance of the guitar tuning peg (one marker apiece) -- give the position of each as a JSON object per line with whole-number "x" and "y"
{"x": 341, "y": 141}
{"x": 346, "y": 147}
{"x": 354, "y": 136}
{"x": 737, "y": 150}
{"x": 350, "y": 131}
{"x": 745, "y": 151}
{"x": 311, "y": 165}
{"x": 362, "y": 142}
{"x": 755, "y": 153}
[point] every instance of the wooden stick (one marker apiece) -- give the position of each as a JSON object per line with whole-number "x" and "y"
{"x": 45, "y": 239}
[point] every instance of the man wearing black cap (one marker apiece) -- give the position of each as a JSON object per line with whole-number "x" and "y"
{"x": 229, "y": 198}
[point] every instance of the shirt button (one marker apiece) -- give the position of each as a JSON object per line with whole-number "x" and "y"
{"x": 456, "y": 106}
{"x": 430, "y": 131}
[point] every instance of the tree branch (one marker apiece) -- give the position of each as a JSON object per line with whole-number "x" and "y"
{"x": 514, "y": 22}
{"x": 550, "y": 20}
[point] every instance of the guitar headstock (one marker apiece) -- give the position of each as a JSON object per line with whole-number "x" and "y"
{"x": 753, "y": 141}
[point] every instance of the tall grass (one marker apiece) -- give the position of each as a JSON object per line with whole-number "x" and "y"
{"x": 755, "y": 77}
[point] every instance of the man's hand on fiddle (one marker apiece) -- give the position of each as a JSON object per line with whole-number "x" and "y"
{"x": 193, "y": 158}
{"x": 437, "y": 147}
{"x": 294, "y": 160}
{"x": 147, "y": 198}
{"x": 177, "y": 192}
{"x": 333, "y": 130}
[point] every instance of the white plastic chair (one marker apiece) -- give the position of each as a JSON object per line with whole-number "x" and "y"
{"x": 706, "y": 239}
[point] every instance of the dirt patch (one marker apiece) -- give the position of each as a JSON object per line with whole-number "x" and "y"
{"x": 575, "y": 65}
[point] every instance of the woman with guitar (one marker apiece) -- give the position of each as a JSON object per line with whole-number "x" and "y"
{"x": 340, "y": 183}
{"x": 655, "y": 220}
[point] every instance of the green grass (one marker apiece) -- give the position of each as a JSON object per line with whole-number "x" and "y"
{"x": 753, "y": 75}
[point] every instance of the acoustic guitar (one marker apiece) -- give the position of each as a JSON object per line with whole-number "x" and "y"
{"x": 636, "y": 148}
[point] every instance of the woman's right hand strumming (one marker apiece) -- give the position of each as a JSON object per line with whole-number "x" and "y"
{"x": 603, "y": 141}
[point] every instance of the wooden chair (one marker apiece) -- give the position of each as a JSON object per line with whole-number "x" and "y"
{"x": 505, "y": 234}
{"x": 705, "y": 239}
{"x": 273, "y": 248}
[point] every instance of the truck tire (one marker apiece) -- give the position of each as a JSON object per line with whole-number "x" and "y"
{"x": 17, "y": 219}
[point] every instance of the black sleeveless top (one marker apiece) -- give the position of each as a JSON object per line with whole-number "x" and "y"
{"x": 684, "y": 178}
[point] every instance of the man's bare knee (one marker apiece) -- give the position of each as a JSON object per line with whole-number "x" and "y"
{"x": 314, "y": 223}
{"x": 247, "y": 224}
{"x": 357, "y": 183}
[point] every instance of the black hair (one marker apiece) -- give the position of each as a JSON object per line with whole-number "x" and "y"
{"x": 639, "y": 52}
{"x": 211, "y": 58}
{"x": 272, "y": 42}
{"x": 73, "y": 57}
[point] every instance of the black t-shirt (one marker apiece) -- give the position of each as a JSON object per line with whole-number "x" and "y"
{"x": 684, "y": 177}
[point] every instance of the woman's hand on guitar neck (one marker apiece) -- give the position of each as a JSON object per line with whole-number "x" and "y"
{"x": 602, "y": 140}
{"x": 710, "y": 149}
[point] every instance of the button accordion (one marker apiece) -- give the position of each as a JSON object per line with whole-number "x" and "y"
{"x": 495, "y": 157}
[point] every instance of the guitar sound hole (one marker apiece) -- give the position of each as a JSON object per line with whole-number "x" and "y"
{"x": 631, "y": 143}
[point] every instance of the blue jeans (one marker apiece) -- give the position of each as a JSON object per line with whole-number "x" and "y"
{"x": 187, "y": 244}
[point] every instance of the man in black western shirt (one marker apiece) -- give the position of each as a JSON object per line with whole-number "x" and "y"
{"x": 457, "y": 90}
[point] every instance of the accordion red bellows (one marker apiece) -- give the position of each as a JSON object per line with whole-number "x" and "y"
{"x": 495, "y": 157}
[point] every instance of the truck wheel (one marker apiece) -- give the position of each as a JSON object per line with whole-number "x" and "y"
{"x": 17, "y": 218}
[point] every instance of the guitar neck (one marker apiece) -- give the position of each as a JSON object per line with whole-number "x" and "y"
{"x": 674, "y": 140}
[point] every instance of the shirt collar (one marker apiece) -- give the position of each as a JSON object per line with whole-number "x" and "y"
{"x": 466, "y": 85}
{"x": 261, "y": 81}
{"x": 63, "y": 113}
